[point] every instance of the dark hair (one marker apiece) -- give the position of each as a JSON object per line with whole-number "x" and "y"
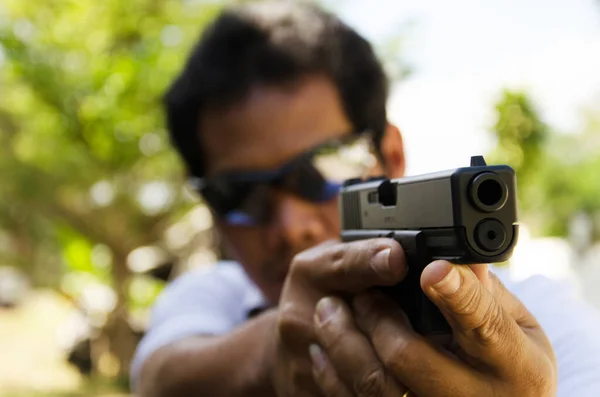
{"x": 273, "y": 43}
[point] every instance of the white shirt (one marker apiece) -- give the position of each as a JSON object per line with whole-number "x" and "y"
{"x": 216, "y": 300}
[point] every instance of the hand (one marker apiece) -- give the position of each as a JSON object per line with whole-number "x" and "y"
{"x": 335, "y": 268}
{"x": 500, "y": 348}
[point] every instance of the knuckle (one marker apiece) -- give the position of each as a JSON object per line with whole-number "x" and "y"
{"x": 371, "y": 384}
{"x": 347, "y": 260}
{"x": 333, "y": 340}
{"x": 467, "y": 303}
{"x": 363, "y": 249}
{"x": 339, "y": 265}
{"x": 483, "y": 315}
{"x": 305, "y": 260}
{"x": 490, "y": 327}
{"x": 300, "y": 261}
{"x": 291, "y": 325}
{"x": 398, "y": 357}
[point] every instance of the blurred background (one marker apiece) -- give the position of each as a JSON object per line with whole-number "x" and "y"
{"x": 95, "y": 217}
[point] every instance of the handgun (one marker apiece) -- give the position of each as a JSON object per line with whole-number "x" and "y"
{"x": 465, "y": 215}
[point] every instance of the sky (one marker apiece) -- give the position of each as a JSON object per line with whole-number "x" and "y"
{"x": 465, "y": 52}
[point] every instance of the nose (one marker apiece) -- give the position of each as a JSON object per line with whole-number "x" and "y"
{"x": 297, "y": 223}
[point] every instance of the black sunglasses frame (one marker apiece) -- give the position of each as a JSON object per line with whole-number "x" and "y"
{"x": 241, "y": 197}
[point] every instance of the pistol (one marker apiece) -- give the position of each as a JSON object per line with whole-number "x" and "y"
{"x": 465, "y": 215}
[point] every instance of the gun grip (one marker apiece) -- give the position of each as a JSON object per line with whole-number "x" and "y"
{"x": 424, "y": 316}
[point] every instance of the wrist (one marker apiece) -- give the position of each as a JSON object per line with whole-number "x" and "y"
{"x": 264, "y": 379}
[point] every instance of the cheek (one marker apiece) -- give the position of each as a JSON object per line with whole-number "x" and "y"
{"x": 247, "y": 248}
{"x": 248, "y": 244}
{"x": 244, "y": 242}
{"x": 332, "y": 216}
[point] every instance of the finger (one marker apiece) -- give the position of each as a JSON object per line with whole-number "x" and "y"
{"x": 351, "y": 267}
{"x": 482, "y": 327}
{"x": 333, "y": 267}
{"x": 515, "y": 308}
{"x": 482, "y": 273}
{"x": 350, "y": 353}
{"x": 325, "y": 375}
{"x": 507, "y": 300}
{"x": 522, "y": 316}
{"x": 415, "y": 362}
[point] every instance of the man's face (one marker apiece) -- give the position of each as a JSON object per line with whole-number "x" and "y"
{"x": 272, "y": 126}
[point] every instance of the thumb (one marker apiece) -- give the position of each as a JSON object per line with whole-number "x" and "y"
{"x": 481, "y": 326}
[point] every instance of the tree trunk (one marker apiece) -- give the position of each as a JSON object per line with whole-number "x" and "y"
{"x": 122, "y": 339}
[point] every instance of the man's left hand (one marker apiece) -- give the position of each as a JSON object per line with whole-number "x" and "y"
{"x": 371, "y": 349}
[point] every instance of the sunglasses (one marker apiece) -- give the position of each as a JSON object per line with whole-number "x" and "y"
{"x": 243, "y": 198}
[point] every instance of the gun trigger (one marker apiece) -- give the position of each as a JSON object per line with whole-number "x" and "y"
{"x": 478, "y": 161}
{"x": 389, "y": 235}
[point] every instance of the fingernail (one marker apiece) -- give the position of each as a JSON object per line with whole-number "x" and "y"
{"x": 381, "y": 262}
{"x": 449, "y": 284}
{"x": 326, "y": 309}
{"x": 317, "y": 357}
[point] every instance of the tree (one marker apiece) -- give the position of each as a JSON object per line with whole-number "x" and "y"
{"x": 87, "y": 172}
{"x": 557, "y": 173}
{"x": 521, "y": 137}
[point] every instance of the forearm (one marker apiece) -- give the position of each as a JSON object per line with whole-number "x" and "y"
{"x": 236, "y": 364}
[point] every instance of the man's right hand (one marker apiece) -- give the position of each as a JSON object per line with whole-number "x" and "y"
{"x": 331, "y": 268}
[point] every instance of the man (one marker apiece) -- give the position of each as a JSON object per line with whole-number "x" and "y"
{"x": 270, "y": 114}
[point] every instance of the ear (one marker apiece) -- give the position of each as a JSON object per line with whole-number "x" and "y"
{"x": 392, "y": 150}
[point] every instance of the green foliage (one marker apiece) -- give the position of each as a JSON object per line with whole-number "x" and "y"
{"x": 521, "y": 138}
{"x": 82, "y": 83}
{"x": 557, "y": 174}
{"x": 88, "y": 174}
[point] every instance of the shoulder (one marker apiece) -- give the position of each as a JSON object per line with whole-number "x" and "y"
{"x": 223, "y": 273}
{"x": 206, "y": 301}
{"x": 223, "y": 286}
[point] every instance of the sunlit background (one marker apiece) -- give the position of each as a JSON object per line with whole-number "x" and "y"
{"x": 95, "y": 218}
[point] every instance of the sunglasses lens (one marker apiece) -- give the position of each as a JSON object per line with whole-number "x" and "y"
{"x": 330, "y": 190}
{"x": 239, "y": 218}
{"x": 253, "y": 206}
{"x": 340, "y": 163}
{"x": 316, "y": 176}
